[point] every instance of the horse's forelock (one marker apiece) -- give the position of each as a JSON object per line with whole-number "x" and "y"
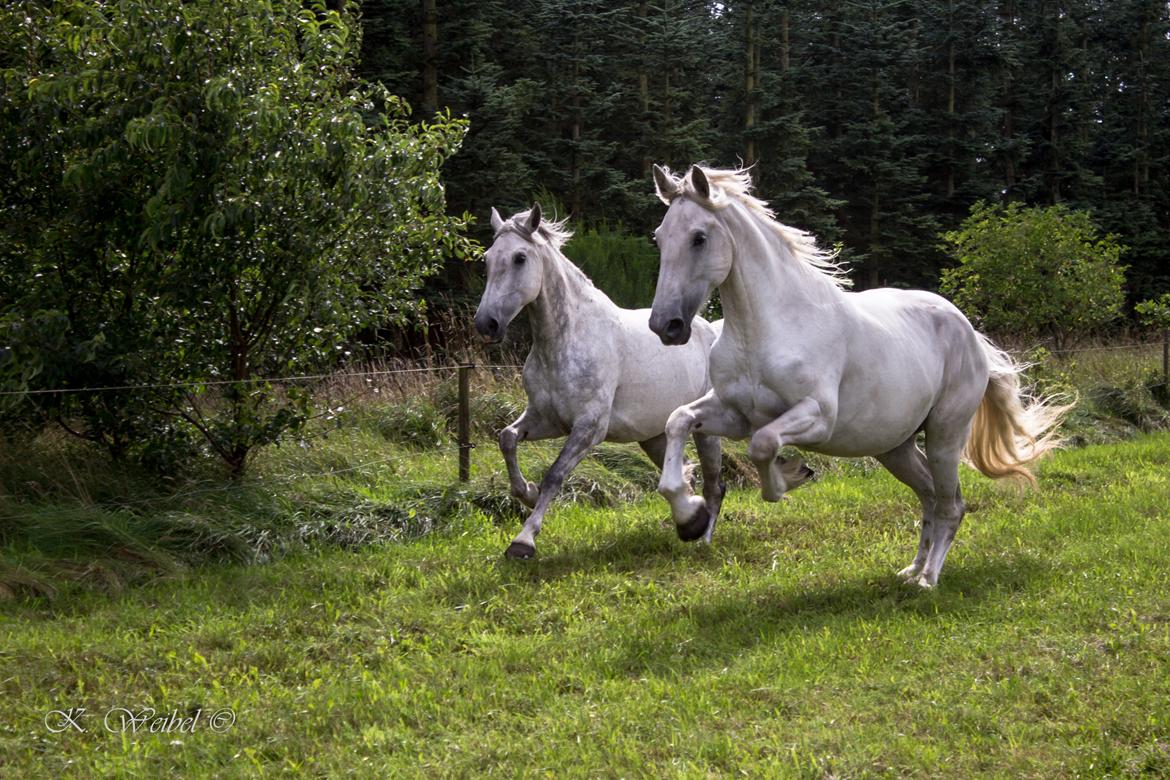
{"x": 553, "y": 232}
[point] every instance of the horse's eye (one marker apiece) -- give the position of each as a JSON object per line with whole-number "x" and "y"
{"x": 699, "y": 239}
{"x": 519, "y": 258}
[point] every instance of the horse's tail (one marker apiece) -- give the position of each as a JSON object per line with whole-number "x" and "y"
{"x": 1011, "y": 428}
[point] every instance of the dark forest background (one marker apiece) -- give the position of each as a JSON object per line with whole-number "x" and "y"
{"x": 876, "y": 125}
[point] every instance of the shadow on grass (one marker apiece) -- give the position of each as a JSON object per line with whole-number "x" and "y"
{"x": 715, "y": 631}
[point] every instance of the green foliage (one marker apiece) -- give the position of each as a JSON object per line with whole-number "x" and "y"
{"x": 625, "y": 266}
{"x": 1155, "y": 312}
{"x": 202, "y": 190}
{"x": 413, "y": 422}
{"x": 1035, "y": 272}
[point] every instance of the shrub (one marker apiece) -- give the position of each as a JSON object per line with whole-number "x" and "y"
{"x": 1034, "y": 272}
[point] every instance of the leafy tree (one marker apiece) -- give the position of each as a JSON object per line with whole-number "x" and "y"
{"x": 1035, "y": 272}
{"x": 202, "y": 190}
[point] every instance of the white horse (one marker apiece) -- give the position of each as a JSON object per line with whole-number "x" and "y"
{"x": 802, "y": 361}
{"x": 595, "y": 372}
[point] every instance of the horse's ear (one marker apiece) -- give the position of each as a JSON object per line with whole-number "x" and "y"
{"x": 497, "y": 220}
{"x": 700, "y": 183}
{"x": 533, "y": 219}
{"x": 665, "y": 184}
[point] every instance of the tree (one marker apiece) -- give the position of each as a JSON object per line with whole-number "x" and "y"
{"x": 1035, "y": 272}
{"x": 198, "y": 191}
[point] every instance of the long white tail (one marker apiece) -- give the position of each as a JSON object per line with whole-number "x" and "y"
{"x": 1011, "y": 429}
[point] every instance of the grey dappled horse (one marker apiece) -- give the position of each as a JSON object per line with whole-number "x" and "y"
{"x": 802, "y": 361}
{"x": 595, "y": 372}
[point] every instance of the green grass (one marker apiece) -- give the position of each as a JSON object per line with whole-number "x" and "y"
{"x": 785, "y": 649}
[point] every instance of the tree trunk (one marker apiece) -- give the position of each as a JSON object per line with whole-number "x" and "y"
{"x": 1141, "y": 162}
{"x": 951, "y": 118}
{"x": 1008, "y": 15}
{"x": 644, "y": 89}
{"x": 430, "y": 96}
{"x": 750, "y": 83}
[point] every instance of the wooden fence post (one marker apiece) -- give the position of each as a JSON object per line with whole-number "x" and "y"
{"x": 1166, "y": 358}
{"x": 465, "y": 444}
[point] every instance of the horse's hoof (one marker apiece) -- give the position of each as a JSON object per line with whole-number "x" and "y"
{"x": 796, "y": 473}
{"x": 910, "y": 573}
{"x": 696, "y": 526}
{"x": 519, "y": 551}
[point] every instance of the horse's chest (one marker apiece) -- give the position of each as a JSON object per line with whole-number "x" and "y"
{"x": 563, "y": 396}
{"x": 759, "y": 393}
{"x": 758, "y": 404}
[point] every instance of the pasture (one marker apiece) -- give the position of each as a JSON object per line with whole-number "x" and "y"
{"x": 788, "y": 648}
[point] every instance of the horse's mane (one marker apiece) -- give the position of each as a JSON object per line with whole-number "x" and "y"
{"x": 728, "y": 185}
{"x": 551, "y": 235}
{"x": 554, "y": 232}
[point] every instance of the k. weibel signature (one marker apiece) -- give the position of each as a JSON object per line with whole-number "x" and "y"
{"x": 144, "y": 720}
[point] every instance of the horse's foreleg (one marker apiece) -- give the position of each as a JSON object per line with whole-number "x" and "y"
{"x": 529, "y": 426}
{"x": 806, "y": 423}
{"x": 583, "y": 437}
{"x": 711, "y": 459}
{"x": 692, "y": 516}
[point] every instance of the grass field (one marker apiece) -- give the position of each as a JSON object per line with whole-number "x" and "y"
{"x": 787, "y": 648}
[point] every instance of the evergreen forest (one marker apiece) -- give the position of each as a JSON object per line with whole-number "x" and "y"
{"x": 875, "y": 125}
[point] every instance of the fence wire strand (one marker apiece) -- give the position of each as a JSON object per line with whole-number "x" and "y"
{"x": 224, "y": 382}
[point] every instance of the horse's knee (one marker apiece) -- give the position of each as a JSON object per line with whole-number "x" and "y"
{"x": 508, "y": 438}
{"x": 680, "y": 423}
{"x": 763, "y": 446}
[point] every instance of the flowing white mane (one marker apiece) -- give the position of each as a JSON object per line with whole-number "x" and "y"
{"x": 553, "y": 232}
{"x": 734, "y": 185}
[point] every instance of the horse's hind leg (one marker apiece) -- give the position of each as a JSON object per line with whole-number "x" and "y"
{"x": 655, "y": 449}
{"x": 584, "y": 437}
{"x": 909, "y": 465}
{"x": 944, "y": 447}
{"x": 711, "y": 460}
{"x": 529, "y": 426}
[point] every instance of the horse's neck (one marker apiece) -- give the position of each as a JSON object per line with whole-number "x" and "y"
{"x": 769, "y": 290}
{"x": 557, "y": 312}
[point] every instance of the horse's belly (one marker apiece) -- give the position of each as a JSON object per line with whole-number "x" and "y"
{"x": 643, "y": 403}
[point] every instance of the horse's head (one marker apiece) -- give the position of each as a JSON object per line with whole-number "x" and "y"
{"x": 696, "y": 250}
{"x": 515, "y": 272}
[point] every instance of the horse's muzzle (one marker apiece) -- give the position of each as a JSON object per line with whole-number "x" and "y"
{"x": 489, "y": 327}
{"x": 672, "y": 330}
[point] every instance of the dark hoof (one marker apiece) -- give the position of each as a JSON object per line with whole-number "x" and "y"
{"x": 696, "y": 527}
{"x": 803, "y": 476}
{"x": 519, "y": 551}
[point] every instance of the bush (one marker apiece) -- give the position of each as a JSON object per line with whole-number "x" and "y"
{"x": 624, "y": 266}
{"x": 1034, "y": 272}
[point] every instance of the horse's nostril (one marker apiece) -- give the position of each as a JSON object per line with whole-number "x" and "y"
{"x": 674, "y": 328}
{"x": 493, "y": 326}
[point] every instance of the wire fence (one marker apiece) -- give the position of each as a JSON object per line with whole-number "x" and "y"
{"x": 464, "y": 422}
